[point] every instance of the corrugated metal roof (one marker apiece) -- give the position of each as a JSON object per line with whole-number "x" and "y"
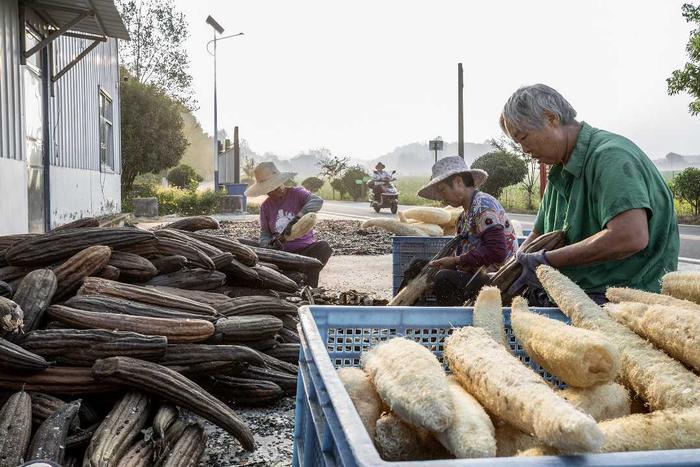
{"x": 105, "y": 21}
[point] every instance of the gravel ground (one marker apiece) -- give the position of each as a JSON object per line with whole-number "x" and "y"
{"x": 274, "y": 431}
{"x": 344, "y": 236}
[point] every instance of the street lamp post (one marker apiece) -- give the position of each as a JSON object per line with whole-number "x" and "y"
{"x": 217, "y": 30}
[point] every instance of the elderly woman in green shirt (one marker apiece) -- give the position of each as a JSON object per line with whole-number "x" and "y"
{"x": 602, "y": 190}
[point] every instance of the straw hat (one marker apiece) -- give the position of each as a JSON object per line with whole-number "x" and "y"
{"x": 267, "y": 178}
{"x": 444, "y": 169}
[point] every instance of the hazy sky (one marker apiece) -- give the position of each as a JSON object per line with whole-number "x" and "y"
{"x": 363, "y": 77}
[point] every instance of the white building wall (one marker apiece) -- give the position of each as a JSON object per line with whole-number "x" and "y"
{"x": 11, "y": 133}
{"x": 13, "y": 197}
{"x": 78, "y": 185}
{"x": 77, "y": 193}
{"x": 13, "y": 168}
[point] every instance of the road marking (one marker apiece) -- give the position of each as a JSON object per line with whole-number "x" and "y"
{"x": 342, "y": 214}
{"x": 690, "y": 237}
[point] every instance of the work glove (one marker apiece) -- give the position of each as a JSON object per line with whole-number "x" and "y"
{"x": 276, "y": 242}
{"x": 288, "y": 230}
{"x": 529, "y": 263}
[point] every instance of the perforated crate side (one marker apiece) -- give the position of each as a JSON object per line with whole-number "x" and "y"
{"x": 345, "y": 344}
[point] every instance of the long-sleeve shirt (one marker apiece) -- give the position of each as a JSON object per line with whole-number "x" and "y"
{"x": 276, "y": 214}
{"x": 381, "y": 175}
{"x": 488, "y": 238}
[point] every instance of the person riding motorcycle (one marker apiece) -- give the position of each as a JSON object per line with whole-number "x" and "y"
{"x": 380, "y": 175}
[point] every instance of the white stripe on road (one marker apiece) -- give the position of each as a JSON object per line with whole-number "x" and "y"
{"x": 343, "y": 214}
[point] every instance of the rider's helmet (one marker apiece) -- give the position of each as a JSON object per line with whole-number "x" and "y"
{"x": 380, "y": 166}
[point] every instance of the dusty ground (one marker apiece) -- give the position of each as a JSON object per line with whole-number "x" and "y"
{"x": 367, "y": 274}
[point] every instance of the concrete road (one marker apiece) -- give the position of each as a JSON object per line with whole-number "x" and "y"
{"x": 690, "y": 234}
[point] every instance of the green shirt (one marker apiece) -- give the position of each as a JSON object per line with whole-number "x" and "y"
{"x": 606, "y": 175}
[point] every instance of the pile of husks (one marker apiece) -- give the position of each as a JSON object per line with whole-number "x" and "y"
{"x": 107, "y": 332}
{"x": 346, "y": 237}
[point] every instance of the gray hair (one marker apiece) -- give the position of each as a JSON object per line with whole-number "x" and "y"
{"x": 526, "y": 108}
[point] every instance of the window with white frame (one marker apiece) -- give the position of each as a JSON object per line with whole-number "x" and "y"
{"x": 106, "y": 132}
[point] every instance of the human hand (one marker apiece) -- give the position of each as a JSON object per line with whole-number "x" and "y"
{"x": 529, "y": 263}
{"x": 276, "y": 242}
{"x": 288, "y": 230}
{"x": 448, "y": 262}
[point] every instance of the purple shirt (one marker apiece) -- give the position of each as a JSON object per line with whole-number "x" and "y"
{"x": 276, "y": 214}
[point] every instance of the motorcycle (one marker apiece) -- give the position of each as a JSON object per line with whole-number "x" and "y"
{"x": 383, "y": 194}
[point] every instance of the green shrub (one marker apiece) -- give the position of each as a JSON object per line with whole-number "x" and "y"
{"x": 313, "y": 184}
{"x": 183, "y": 176}
{"x": 178, "y": 201}
{"x": 357, "y": 191}
{"x": 504, "y": 169}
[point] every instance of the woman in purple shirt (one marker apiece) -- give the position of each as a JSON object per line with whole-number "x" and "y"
{"x": 283, "y": 207}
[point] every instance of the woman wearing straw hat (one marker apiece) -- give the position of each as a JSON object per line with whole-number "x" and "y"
{"x": 281, "y": 210}
{"x": 488, "y": 238}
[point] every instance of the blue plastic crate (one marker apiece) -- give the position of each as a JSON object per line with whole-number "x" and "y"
{"x": 406, "y": 249}
{"x": 328, "y": 431}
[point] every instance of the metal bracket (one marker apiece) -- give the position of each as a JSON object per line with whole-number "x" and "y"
{"x": 58, "y": 32}
{"x": 73, "y": 62}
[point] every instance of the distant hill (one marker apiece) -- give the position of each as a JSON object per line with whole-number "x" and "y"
{"x": 676, "y": 162}
{"x": 416, "y": 159}
{"x": 408, "y": 160}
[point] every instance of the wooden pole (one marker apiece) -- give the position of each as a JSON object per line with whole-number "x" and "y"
{"x": 460, "y": 117}
{"x": 236, "y": 157}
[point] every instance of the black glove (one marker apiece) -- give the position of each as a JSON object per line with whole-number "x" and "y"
{"x": 288, "y": 230}
{"x": 276, "y": 242}
{"x": 529, "y": 262}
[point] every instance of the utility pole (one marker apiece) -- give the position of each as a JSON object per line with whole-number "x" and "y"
{"x": 216, "y": 129}
{"x": 460, "y": 111}
{"x": 236, "y": 157}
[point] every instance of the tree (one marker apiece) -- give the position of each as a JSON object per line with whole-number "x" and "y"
{"x": 152, "y": 136}
{"x": 331, "y": 168}
{"x": 504, "y": 169}
{"x": 531, "y": 180}
{"x": 156, "y": 53}
{"x": 349, "y": 181}
{"x": 313, "y": 184}
{"x": 183, "y": 176}
{"x": 688, "y": 79}
{"x": 686, "y": 187}
{"x": 338, "y": 185}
